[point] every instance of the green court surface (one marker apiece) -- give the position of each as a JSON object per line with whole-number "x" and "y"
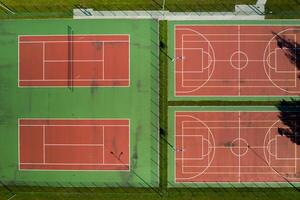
{"x": 215, "y": 97}
{"x": 139, "y": 103}
{"x": 207, "y": 112}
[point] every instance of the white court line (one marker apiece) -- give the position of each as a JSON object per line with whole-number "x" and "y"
{"x": 276, "y": 148}
{"x": 187, "y": 48}
{"x": 296, "y": 58}
{"x": 195, "y": 87}
{"x": 75, "y": 145}
{"x": 188, "y": 135}
{"x": 44, "y": 53}
{"x": 295, "y": 146}
{"x": 232, "y": 173}
{"x": 267, "y": 50}
{"x": 46, "y": 125}
{"x": 230, "y": 127}
{"x": 248, "y": 166}
{"x": 182, "y": 76}
{"x": 77, "y": 35}
{"x": 175, "y": 141}
{"x": 239, "y": 166}
{"x": 231, "y": 34}
{"x": 77, "y": 80}
{"x": 103, "y": 66}
{"x": 18, "y": 69}
{"x": 239, "y": 58}
{"x": 66, "y": 41}
{"x": 237, "y": 147}
{"x": 224, "y": 86}
{"x": 236, "y": 121}
{"x": 182, "y": 144}
{"x": 97, "y": 164}
{"x": 220, "y": 60}
{"x": 295, "y": 53}
{"x": 189, "y": 159}
{"x": 248, "y": 80}
{"x": 129, "y": 61}
{"x": 44, "y": 144}
{"x": 201, "y": 156}
{"x": 190, "y": 72}
{"x": 230, "y": 41}
{"x": 103, "y": 148}
{"x": 231, "y": 120}
{"x": 288, "y": 158}
{"x": 209, "y": 132}
{"x": 19, "y": 155}
{"x": 209, "y": 46}
{"x": 239, "y": 157}
{"x": 269, "y": 145}
{"x": 76, "y": 119}
{"x": 49, "y": 61}
{"x": 129, "y": 152}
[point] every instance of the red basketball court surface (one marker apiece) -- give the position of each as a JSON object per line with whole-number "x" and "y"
{"x": 65, "y": 144}
{"x": 233, "y": 147}
{"x": 77, "y": 60}
{"x": 235, "y": 61}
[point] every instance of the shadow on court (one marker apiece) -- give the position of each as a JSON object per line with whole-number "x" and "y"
{"x": 291, "y": 49}
{"x": 290, "y": 117}
{"x": 289, "y": 110}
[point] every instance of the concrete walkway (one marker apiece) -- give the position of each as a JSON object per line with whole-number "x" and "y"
{"x": 242, "y": 12}
{"x": 261, "y": 2}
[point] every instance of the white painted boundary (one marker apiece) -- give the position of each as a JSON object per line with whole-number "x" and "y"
{"x": 239, "y": 86}
{"x": 239, "y": 127}
{"x": 129, "y": 142}
{"x": 103, "y": 65}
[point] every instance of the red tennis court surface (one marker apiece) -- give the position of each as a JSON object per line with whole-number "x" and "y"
{"x": 59, "y": 144}
{"x": 78, "y": 60}
{"x": 236, "y": 60}
{"x": 233, "y": 147}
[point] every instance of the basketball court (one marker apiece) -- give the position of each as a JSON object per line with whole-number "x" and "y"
{"x": 232, "y": 146}
{"x": 235, "y": 60}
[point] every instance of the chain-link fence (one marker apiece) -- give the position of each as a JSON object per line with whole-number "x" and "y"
{"x": 273, "y": 9}
{"x": 173, "y": 192}
{"x": 45, "y": 9}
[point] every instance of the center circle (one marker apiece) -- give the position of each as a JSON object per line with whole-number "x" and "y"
{"x": 239, "y": 147}
{"x": 239, "y": 60}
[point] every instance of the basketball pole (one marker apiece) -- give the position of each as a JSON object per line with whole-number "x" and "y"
{"x": 163, "y": 6}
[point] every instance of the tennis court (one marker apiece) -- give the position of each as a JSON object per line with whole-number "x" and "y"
{"x": 79, "y": 60}
{"x": 227, "y": 146}
{"x": 235, "y": 60}
{"x": 80, "y": 99}
{"x": 59, "y": 144}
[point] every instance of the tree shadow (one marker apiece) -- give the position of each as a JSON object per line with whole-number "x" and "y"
{"x": 290, "y": 117}
{"x": 291, "y": 49}
{"x": 289, "y": 110}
